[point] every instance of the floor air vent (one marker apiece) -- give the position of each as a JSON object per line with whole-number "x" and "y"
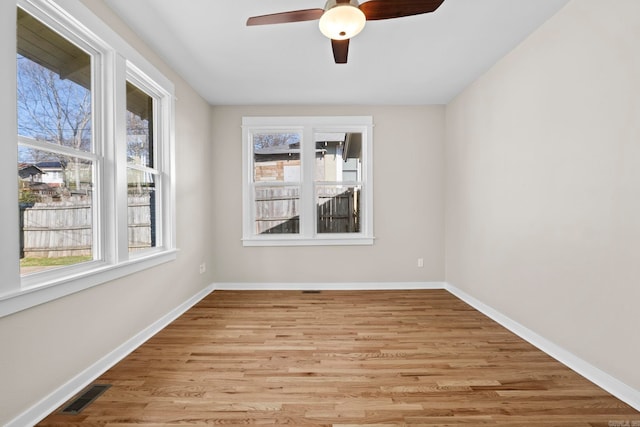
{"x": 87, "y": 396}
{"x": 311, "y": 292}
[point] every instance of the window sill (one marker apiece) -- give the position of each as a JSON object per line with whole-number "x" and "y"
{"x": 31, "y": 296}
{"x": 317, "y": 241}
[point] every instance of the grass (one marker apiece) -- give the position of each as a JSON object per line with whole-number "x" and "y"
{"x": 51, "y": 262}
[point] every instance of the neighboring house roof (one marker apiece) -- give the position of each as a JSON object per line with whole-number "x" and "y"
{"x": 352, "y": 146}
{"x": 50, "y": 165}
{"x": 26, "y": 171}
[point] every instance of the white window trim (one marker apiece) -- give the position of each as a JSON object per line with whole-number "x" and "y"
{"x": 163, "y": 157}
{"x": 119, "y": 62}
{"x": 308, "y": 126}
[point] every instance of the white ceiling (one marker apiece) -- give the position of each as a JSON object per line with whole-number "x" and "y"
{"x": 424, "y": 59}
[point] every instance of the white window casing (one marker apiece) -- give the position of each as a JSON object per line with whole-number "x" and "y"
{"x": 308, "y": 128}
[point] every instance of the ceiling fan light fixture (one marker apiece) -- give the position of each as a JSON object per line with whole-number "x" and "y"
{"x": 342, "y": 21}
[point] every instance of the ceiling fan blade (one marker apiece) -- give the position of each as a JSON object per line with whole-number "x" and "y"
{"x": 285, "y": 17}
{"x": 386, "y": 9}
{"x": 340, "y": 50}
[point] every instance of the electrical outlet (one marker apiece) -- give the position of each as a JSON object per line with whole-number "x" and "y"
{"x": 203, "y": 267}
{"x": 420, "y": 262}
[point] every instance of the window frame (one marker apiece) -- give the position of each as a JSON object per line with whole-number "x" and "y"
{"x": 45, "y": 13}
{"x": 307, "y": 126}
{"x": 159, "y": 147}
{"x": 114, "y": 62}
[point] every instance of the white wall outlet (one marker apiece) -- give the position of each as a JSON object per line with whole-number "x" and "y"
{"x": 203, "y": 267}
{"x": 420, "y": 262}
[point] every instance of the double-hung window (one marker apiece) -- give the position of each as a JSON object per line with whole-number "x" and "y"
{"x": 94, "y": 124}
{"x": 144, "y": 177}
{"x": 58, "y": 133}
{"x": 307, "y": 181}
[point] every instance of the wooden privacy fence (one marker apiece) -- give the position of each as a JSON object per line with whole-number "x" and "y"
{"x": 338, "y": 210}
{"x": 141, "y": 219}
{"x": 277, "y": 210}
{"x": 64, "y": 228}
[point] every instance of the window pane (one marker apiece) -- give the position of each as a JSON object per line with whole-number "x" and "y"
{"x": 139, "y": 127}
{"x": 338, "y": 208}
{"x": 277, "y": 210}
{"x": 142, "y": 206}
{"x": 276, "y": 157}
{"x": 338, "y": 156}
{"x": 55, "y": 202}
{"x": 54, "y": 86}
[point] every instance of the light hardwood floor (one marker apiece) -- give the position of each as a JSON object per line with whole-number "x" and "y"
{"x": 343, "y": 358}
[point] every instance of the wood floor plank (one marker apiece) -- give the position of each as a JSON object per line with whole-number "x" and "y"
{"x": 341, "y": 359}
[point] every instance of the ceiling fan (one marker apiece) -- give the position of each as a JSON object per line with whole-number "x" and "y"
{"x": 340, "y": 20}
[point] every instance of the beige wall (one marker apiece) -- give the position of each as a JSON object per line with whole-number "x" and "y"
{"x": 543, "y": 185}
{"x": 44, "y": 347}
{"x": 408, "y": 204}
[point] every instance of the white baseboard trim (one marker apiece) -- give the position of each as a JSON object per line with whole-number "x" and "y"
{"x": 352, "y": 286}
{"x": 612, "y": 385}
{"x": 63, "y": 393}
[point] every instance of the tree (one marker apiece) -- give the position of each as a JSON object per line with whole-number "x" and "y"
{"x": 138, "y": 139}
{"x": 266, "y": 140}
{"x": 54, "y": 110}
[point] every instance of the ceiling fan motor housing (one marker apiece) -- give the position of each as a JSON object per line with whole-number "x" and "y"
{"x": 342, "y": 19}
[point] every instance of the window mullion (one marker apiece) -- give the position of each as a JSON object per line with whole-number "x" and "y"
{"x": 307, "y": 190}
{"x": 98, "y": 122}
{"x": 120, "y": 166}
